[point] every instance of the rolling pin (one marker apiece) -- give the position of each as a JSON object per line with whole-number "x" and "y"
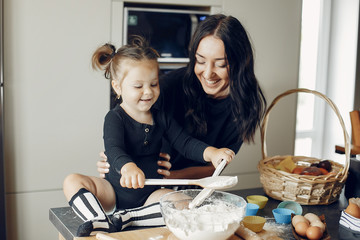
{"x": 246, "y": 233}
{"x": 102, "y": 236}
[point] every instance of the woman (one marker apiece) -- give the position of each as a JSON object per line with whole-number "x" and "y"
{"x": 216, "y": 98}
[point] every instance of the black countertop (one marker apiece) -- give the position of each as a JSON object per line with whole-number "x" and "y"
{"x": 66, "y": 222}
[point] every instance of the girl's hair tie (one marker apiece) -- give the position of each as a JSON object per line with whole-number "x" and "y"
{"x": 113, "y": 54}
{"x": 112, "y": 48}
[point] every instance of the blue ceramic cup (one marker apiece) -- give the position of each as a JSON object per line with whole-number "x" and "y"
{"x": 282, "y": 215}
{"x": 251, "y": 209}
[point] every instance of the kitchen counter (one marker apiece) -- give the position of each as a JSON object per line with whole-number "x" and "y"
{"x": 66, "y": 222}
{"x": 331, "y": 212}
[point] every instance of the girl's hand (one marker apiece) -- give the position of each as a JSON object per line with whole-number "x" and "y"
{"x": 164, "y": 165}
{"x": 132, "y": 176}
{"x": 216, "y": 155}
{"x": 102, "y": 165}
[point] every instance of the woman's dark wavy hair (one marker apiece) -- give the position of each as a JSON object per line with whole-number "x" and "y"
{"x": 248, "y": 102}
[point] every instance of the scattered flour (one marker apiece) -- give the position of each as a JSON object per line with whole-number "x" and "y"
{"x": 215, "y": 221}
{"x": 275, "y": 229}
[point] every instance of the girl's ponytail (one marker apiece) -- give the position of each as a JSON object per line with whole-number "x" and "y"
{"x": 102, "y": 57}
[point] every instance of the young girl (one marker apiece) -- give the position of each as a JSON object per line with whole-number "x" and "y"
{"x": 133, "y": 132}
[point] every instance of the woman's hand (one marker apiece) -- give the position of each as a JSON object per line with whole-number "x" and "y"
{"x": 164, "y": 164}
{"x": 216, "y": 155}
{"x": 132, "y": 176}
{"x": 102, "y": 165}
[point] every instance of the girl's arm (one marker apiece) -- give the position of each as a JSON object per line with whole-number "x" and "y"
{"x": 115, "y": 149}
{"x": 114, "y": 141}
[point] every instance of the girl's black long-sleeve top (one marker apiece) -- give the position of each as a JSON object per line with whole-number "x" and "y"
{"x": 127, "y": 140}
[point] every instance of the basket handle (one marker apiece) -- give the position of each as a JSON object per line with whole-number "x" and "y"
{"x": 332, "y": 105}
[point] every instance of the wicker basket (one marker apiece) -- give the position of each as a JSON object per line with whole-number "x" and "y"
{"x": 304, "y": 189}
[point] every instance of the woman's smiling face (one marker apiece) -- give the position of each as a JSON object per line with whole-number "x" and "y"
{"x": 211, "y": 67}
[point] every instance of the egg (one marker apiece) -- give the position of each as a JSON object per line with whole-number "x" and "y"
{"x": 298, "y": 218}
{"x": 311, "y": 217}
{"x": 301, "y": 228}
{"x": 314, "y": 233}
{"x": 319, "y": 224}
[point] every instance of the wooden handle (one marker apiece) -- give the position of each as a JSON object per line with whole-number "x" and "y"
{"x": 246, "y": 233}
{"x": 332, "y": 105}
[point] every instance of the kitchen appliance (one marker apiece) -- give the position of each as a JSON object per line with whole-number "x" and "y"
{"x": 168, "y": 30}
{"x": 2, "y": 177}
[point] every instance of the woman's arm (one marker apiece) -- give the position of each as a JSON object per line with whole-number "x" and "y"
{"x": 186, "y": 173}
{"x": 192, "y": 172}
{"x": 163, "y": 163}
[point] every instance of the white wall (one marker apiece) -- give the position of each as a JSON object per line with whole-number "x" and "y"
{"x": 55, "y": 103}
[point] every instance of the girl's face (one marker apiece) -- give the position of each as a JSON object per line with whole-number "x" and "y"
{"x": 211, "y": 68}
{"x": 139, "y": 88}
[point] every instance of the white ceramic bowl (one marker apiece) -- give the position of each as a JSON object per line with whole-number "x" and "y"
{"x": 215, "y": 219}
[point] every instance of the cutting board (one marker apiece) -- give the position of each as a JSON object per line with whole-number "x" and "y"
{"x": 160, "y": 233}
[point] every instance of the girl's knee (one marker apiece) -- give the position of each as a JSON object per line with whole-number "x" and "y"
{"x": 156, "y": 195}
{"x": 74, "y": 182}
{"x": 72, "y": 179}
